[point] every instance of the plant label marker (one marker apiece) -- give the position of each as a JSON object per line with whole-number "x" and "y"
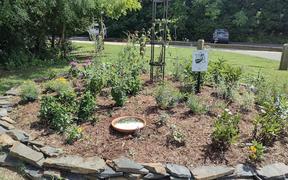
{"x": 199, "y": 64}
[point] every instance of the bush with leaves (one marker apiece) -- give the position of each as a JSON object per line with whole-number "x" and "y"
{"x": 223, "y": 91}
{"x": 162, "y": 120}
{"x": 73, "y": 133}
{"x": 29, "y": 91}
{"x": 166, "y": 96}
{"x": 195, "y": 105}
{"x": 119, "y": 95}
{"x": 58, "y": 85}
{"x": 176, "y": 136}
{"x": 87, "y": 107}
{"x": 226, "y": 129}
{"x": 247, "y": 100}
{"x": 256, "y": 151}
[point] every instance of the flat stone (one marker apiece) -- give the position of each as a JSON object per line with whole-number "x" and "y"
{"x": 211, "y": 172}
{"x": 33, "y": 173}
{"x": 5, "y": 97}
{"x": 18, "y": 135}
{"x": 51, "y": 151}
{"x": 8, "y": 160}
{"x": 2, "y": 130}
{"x": 74, "y": 176}
{"x": 178, "y": 171}
{"x": 126, "y": 165}
{"x": 52, "y": 174}
{"x": 6, "y": 125}
{"x": 6, "y": 141}
{"x": 7, "y": 119}
{"x": 27, "y": 154}
{"x": 13, "y": 92}
{"x": 273, "y": 171}
{"x": 108, "y": 173}
{"x": 157, "y": 168}
{"x": 244, "y": 171}
{"x": 6, "y": 103}
{"x": 3, "y": 112}
{"x": 36, "y": 143}
{"x": 77, "y": 164}
{"x": 155, "y": 176}
{"x": 131, "y": 176}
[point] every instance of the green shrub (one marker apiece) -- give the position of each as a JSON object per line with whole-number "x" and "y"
{"x": 224, "y": 91}
{"x": 68, "y": 99}
{"x": 55, "y": 114}
{"x": 195, "y": 105}
{"x": 226, "y": 129}
{"x": 178, "y": 70}
{"x": 247, "y": 101}
{"x": 87, "y": 106}
{"x": 58, "y": 85}
{"x": 73, "y": 133}
{"x": 176, "y": 137}
{"x": 29, "y": 91}
{"x": 118, "y": 95}
{"x": 166, "y": 96}
{"x": 96, "y": 84}
{"x": 162, "y": 120}
{"x": 256, "y": 151}
{"x": 132, "y": 85}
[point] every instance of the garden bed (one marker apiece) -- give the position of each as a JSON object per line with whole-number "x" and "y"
{"x": 150, "y": 144}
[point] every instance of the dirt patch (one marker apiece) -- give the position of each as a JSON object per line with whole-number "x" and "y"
{"x": 151, "y": 143}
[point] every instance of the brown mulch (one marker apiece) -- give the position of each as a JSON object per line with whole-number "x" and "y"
{"x": 150, "y": 145}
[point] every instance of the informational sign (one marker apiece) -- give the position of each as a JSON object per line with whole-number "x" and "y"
{"x": 200, "y": 61}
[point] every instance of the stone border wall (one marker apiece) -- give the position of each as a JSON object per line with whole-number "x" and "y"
{"x": 38, "y": 161}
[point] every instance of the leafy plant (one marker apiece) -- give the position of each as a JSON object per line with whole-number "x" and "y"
{"x": 73, "y": 133}
{"x": 166, "y": 96}
{"x": 162, "y": 120}
{"x": 226, "y": 129}
{"x": 225, "y": 91}
{"x": 57, "y": 116}
{"x": 96, "y": 84}
{"x": 59, "y": 85}
{"x": 176, "y": 136}
{"x": 29, "y": 91}
{"x": 87, "y": 106}
{"x": 194, "y": 104}
{"x": 256, "y": 151}
{"x": 246, "y": 101}
{"x": 118, "y": 95}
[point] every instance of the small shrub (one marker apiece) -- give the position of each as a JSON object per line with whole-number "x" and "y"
{"x": 74, "y": 71}
{"x": 176, "y": 137}
{"x": 68, "y": 99}
{"x": 226, "y": 129}
{"x": 29, "y": 91}
{"x": 162, "y": 120}
{"x": 256, "y": 151}
{"x": 246, "y": 101}
{"x": 132, "y": 85}
{"x": 178, "y": 70}
{"x": 166, "y": 96}
{"x": 225, "y": 91}
{"x": 87, "y": 106}
{"x": 195, "y": 106}
{"x": 118, "y": 95}
{"x": 73, "y": 133}
{"x": 59, "y": 85}
{"x": 55, "y": 114}
{"x": 96, "y": 84}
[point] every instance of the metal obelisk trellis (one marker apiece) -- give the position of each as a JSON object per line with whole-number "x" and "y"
{"x": 160, "y": 62}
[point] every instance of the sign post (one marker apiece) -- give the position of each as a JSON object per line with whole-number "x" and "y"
{"x": 199, "y": 63}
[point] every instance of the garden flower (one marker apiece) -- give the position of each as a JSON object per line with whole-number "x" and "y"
{"x": 80, "y": 130}
{"x": 253, "y": 149}
{"x": 62, "y": 80}
{"x": 87, "y": 63}
{"x": 73, "y": 64}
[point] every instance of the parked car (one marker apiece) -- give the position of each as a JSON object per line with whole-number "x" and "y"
{"x": 221, "y": 36}
{"x": 94, "y": 31}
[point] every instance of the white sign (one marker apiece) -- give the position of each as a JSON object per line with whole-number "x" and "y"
{"x": 200, "y": 61}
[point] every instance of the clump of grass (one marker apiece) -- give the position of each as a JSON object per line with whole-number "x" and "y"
{"x": 195, "y": 105}
{"x": 29, "y": 91}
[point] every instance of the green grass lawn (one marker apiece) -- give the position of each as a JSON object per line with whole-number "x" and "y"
{"x": 250, "y": 64}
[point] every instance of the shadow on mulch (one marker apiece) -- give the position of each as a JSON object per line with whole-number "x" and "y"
{"x": 215, "y": 153}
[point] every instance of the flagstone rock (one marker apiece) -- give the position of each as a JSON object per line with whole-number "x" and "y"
{"x": 126, "y": 165}
{"x": 8, "y": 160}
{"x": 51, "y": 151}
{"x": 3, "y": 130}
{"x": 77, "y": 164}
{"x": 3, "y": 112}
{"x": 7, "y": 119}
{"x": 273, "y": 171}
{"x": 6, "y": 125}
{"x": 157, "y": 168}
{"x": 155, "y": 176}
{"x": 244, "y": 171}
{"x": 6, "y": 103}
{"x": 13, "y": 92}
{"x": 27, "y": 154}
{"x": 178, "y": 171}
{"x": 52, "y": 174}
{"x": 6, "y": 140}
{"x": 211, "y": 172}
{"x": 33, "y": 173}
{"x": 131, "y": 176}
{"x": 18, "y": 135}
{"x": 36, "y": 143}
{"x": 5, "y": 97}
{"x": 108, "y": 173}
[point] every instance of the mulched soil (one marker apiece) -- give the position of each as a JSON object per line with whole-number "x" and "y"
{"x": 150, "y": 145}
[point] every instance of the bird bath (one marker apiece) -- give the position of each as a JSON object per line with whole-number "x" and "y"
{"x": 128, "y": 124}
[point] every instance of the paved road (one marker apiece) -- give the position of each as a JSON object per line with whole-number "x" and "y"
{"x": 262, "y": 54}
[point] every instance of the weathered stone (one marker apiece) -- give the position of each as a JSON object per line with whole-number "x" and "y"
{"x": 6, "y": 125}
{"x": 3, "y": 112}
{"x": 13, "y": 92}
{"x": 77, "y": 164}
{"x": 6, "y": 103}
{"x": 51, "y": 151}
{"x": 36, "y": 143}
{"x": 273, "y": 171}
{"x": 126, "y": 165}
{"x": 3, "y": 130}
{"x": 118, "y": 178}
{"x": 155, "y": 168}
{"x": 52, "y": 174}
{"x": 133, "y": 176}
{"x": 154, "y": 176}
{"x": 178, "y": 171}
{"x": 18, "y": 135}
{"x": 211, "y": 172}
{"x": 7, "y": 119}
{"x": 8, "y": 160}
{"x": 33, "y": 173}
{"x": 178, "y": 178}
{"x": 108, "y": 173}
{"x": 27, "y": 154}
{"x": 6, "y": 141}
{"x": 74, "y": 176}
{"x": 243, "y": 171}
{"x": 5, "y": 97}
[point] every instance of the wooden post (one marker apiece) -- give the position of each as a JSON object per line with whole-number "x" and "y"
{"x": 284, "y": 58}
{"x": 200, "y": 46}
